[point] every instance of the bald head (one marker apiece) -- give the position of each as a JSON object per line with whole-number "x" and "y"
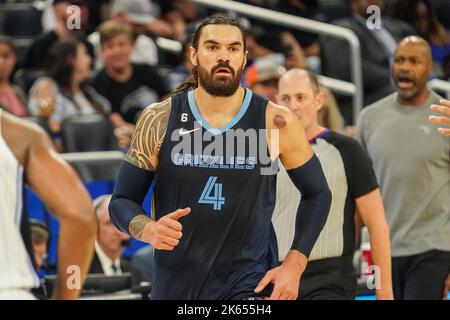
{"x": 101, "y": 204}
{"x": 300, "y": 76}
{"x": 419, "y": 45}
{"x": 412, "y": 67}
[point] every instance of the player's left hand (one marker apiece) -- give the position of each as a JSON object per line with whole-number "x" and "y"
{"x": 286, "y": 283}
{"x": 285, "y": 279}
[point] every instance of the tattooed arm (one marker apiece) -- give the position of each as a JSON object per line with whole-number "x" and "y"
{"x": 149, "y": 134}
{"x": 136, "y": 172}
{"x": 134, "y": 179}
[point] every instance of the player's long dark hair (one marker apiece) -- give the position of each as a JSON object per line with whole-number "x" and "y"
{"x": 217, "y": 18}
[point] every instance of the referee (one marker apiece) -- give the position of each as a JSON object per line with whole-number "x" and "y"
{"x": 349, "y": 173}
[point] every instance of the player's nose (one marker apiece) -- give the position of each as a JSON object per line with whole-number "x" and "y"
{"x": 223, "y": 56}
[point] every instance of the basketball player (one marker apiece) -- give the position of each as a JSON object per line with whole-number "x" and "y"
{"x": 444, "y": 108}
{"x": 211, "y": 224}
{"x": 27, "y": 152}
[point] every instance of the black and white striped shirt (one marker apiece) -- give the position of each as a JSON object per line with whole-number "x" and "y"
{"x": 349, "y": 174}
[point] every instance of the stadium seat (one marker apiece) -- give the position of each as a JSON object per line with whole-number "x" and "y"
{"x": 21, "y": 46}
{"x": 95, "y": 166}
{"x": 93, "y": 132}
{"x": 20, "y": 20}
{"x": 96, "y": 285}
{"x": 25, "y": 78}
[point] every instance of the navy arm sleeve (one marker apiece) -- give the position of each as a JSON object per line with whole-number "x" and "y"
{"x": 131, "y": 186}
{"x": 314, "y": 205}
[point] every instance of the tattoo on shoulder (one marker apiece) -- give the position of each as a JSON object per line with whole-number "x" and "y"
{"x": 149, "y": 135}
{"x": 137, "y": 226}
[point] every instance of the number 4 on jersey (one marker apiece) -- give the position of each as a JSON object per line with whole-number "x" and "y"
{"x": 216, "y": 199}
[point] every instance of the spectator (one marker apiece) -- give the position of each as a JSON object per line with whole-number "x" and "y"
{"x": 412, "y": 164}
{"x": 128, "y": 87}
{"x": 268, "y": 34}
{"x": 64, "y": 91}
{"x": 157, "y": 27}
{"x": 138, "y": 15}
{"x": 288, "y": 51}
{"x": 39, "y": 237}
{"x": 262, "y": 78}
{"x": 421, "y": 15}
{"x": 110, "y": 243}
{"x": 12, "y": 97}
{"x": 307, "y": 9}
{"x": 293, "y": 51}
{"x": 182, "y": 15}
{"x": 36, "y": 55}
{"x": 257, "y": 50}
{"x": 377, "y": 48}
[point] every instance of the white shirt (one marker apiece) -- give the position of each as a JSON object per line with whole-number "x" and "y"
{"x": 144, "y": 50}
{"x": 106, "y": 262}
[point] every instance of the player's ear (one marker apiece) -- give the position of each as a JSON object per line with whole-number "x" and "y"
{"x": 193, "y": 56}
{"x": 245, "y": 59}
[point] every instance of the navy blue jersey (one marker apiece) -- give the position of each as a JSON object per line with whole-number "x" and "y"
{"x": 228, "y": 241}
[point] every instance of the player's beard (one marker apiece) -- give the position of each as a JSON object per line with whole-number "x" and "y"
{"x": 219, "y": 86}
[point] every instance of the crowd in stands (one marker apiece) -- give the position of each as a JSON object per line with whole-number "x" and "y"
{"x": 113, "y": 61}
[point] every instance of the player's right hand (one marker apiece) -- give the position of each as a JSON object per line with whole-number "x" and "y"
{"x": 165, "y": 234}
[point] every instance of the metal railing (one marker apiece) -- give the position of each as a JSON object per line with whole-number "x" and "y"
{"x": 92, "y": 156}
{"x": 98, "y": 165}
{"x": 440, "y": 85}
{"x": 354, "y": 88}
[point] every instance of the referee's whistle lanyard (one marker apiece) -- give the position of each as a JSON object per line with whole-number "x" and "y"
{"x": 319, "y": 135}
